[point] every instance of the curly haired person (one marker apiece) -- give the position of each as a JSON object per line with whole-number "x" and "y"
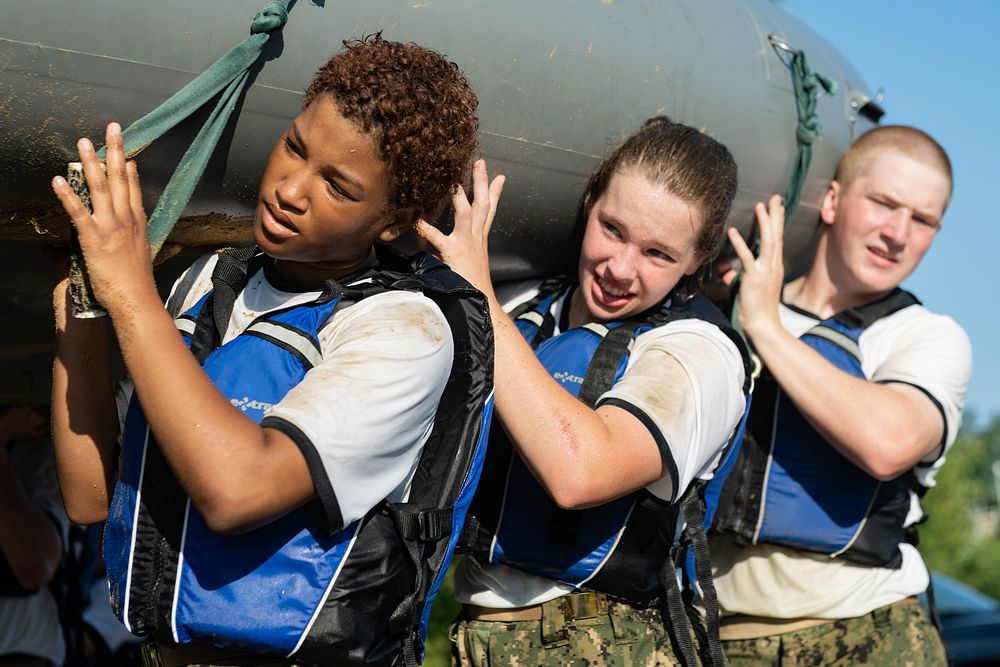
{"x": 280, "y": 403}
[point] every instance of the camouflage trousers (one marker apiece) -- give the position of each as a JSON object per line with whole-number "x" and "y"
{"x": 897, "y": 635}
{"x": 623, "y": 637}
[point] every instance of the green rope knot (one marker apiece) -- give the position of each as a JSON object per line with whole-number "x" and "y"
{"x": 269, "y": 19}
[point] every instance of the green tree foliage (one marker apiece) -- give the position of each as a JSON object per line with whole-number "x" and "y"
{"x": 965, "y": 487}
{"x": 443, "y": 614}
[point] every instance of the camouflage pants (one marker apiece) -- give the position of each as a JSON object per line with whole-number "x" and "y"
{"x": 896, "y": 635}
{"x": 624, "y": 637}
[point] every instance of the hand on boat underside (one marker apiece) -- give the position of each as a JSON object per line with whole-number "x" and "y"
{"x": 466, "y": 249}
{"x": 113, "y": 237}
{"x": 763, "y": 276}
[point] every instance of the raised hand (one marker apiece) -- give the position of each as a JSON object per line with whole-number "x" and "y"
{"x": 113, "y": 237}
{"x": 466, "y": 249}
{"x": 763, "y": 276}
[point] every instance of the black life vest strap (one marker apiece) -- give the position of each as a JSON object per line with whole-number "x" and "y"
{"x": 869, "y": 313}
{"x": 229, "y": 278}
{"x": 694, "y": 518}
{"x": 676, "y": 610}
{"x": 603, "y": 367}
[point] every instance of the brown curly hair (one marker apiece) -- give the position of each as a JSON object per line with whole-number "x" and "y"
{"x": 417, "y": 105}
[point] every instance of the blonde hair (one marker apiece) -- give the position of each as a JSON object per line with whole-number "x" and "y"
{"x": 909, "y": 141}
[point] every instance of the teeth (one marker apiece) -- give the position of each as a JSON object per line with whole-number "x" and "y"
{"x": 611, "y": 290}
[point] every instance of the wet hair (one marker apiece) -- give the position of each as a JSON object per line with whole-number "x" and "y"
{"x": 418, "y": 107}
{"x": 687, "y": 163}
{"x": 909, "y": 141}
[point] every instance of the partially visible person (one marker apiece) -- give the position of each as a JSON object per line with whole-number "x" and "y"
{"x": 815, "y": 554}
{"x": 291, "y": 462}
{"x": 617, "y": 390}
{"x": 33, "y": 530}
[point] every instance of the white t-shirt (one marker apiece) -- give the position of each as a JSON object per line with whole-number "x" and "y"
{"x": 914, "y": 346}
{"x": 365, "y": 412}
{"x": 30, "y": 624}
{"x": 687, "y": 378}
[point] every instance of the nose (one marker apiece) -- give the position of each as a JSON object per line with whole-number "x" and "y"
{"x": 291, "y": 191}
{"x": 622, "y": 265}
{"x": 897, "y": 226}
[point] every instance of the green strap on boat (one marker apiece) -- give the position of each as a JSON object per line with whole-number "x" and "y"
{"x": 229, "y": 76}
{"x": 807, "y": 86}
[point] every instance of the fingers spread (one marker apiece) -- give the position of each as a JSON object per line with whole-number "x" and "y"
{"x": 135, "y": 193}
{"x": 77, "y": 212}
{"x": 460, "y": 202}
{"x": 118, "y": 179}
{"x": 431, "y": 234}
{"x": 740, "y": 246}
{"x": 97, "y": 182}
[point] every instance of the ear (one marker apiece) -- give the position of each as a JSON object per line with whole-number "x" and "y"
{"x": 402, "y": 220}
{"x": 694, "y": 266}
{"x": 828, "y": 209}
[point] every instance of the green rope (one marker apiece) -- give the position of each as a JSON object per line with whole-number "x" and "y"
{"x": 227, "y": 75}
{"x": 807, "y": 86}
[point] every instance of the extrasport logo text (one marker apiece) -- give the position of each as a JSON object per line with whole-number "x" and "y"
{"x": 564, "y": 377}
{"x": 247, "y": 403}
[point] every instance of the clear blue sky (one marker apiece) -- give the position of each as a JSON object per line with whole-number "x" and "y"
{"x": 939, "y": 65}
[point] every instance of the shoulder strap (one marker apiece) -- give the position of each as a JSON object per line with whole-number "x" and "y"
{"x": 603, "y": 366}
{"x": 228, "y": 279}
{"x": 866, "y": 315}
{"x": 537, "y": 311}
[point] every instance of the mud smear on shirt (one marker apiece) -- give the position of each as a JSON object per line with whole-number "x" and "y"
{"x": 669, "y": 397}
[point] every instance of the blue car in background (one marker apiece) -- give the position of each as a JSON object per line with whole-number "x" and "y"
{"x": 970, "y": 623}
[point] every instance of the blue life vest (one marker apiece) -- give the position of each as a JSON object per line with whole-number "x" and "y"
{"x": 298, "y": 587}
{"x": 619, "y": 547}
{"x": 790, "y": 487}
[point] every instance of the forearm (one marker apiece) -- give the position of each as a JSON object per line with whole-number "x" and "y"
{"x": 84, "y": 419}
{"x": 28, "y": 537}
{"x": 883, "y": 429}
{"x": 581, "y": 456}
{"x": 221, "y": 457}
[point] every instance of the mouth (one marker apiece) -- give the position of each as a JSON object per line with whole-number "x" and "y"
{"x": 883, "y": 256}
{"x": 276, "y": 223}
{"x": 609, "y": 295}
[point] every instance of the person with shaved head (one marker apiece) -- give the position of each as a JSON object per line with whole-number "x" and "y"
{"x": 860, "y": 398}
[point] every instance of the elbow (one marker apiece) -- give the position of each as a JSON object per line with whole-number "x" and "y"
{"x": 86, "y": 514}
{"x": 228, "y": 515}
{"x": 884, "y": 472}
{"x": 886, "y": 463}
{"x": 574, "y": 492}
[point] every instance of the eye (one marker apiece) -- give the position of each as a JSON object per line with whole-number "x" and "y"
{"x": 292, "y": 148}
{"x": 926, "y": 222}
{"x": 659, "y": 254}
{"x": 611, "y": 229}
{"x": 337, "y": 191}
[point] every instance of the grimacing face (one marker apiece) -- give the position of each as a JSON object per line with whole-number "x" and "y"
{"x": 881, "y": 224}
{"x": 638, "y": 243}
{"x": 324, "y": 197}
